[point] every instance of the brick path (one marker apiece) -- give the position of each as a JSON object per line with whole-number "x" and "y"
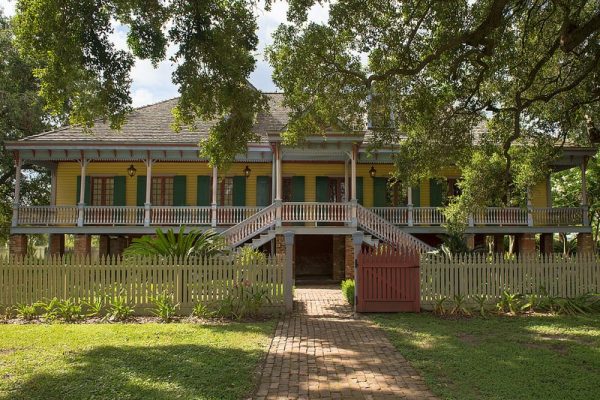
{"x": 321, "y": 352}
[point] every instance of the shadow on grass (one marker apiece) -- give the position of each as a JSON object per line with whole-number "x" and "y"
{"x": 160, "y": 372}
{"x": 501, "y": 357}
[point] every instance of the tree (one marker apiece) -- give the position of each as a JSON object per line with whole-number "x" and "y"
{"x": 21, "y": 115}
{"x": 84, "y": 76}
{"x": 425, "y": 73}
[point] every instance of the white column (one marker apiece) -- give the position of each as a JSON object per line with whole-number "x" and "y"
{"x": 17, "y": 195}
{"x": 529, "y": 208}
{"x": 353, "y": 171}
{"x": 148, "y": 203}
{"x": 215, "y": 178}
{"x": 273, "y": 176}
{"x": 346, "y": 181}
{"x": 584, "y": 199}
{"x": 81, "y": 204}
{"x": 410, "y": 206}
{"x": 53, "y": 185}
{"x": 278, "y": 197}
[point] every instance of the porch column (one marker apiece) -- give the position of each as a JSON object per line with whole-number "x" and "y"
{"x": 273, "y": 176}
{"x": 147, "y": 204}
{"x": 53, "y": 184}
{"x": 584, "y": 200}
{"x": 288, "y": 285}
{"x": 353, "y": 198}
{"x": 213, "y": 204}
{"x": 81, "y": 204}
{"x": 17, "y": 195}
{"x": 410, "y": 206}
{"x": 279, "y": 185}
{"x": 529, "y": 208}
{"x": 345, "y": 181}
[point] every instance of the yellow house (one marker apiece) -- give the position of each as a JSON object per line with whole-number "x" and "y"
{"x": 119, "y": 185}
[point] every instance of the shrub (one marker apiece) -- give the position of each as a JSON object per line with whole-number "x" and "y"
{"x": 481, "y": 302}
{"x": 119, "y": 309}
{"x": 193, "y": 244}
{"x": 202, "y": 310}
{"x": 27, "y": 312}
{"x": 247, "y": 255}
{"x": 439, "y": 307}
{"x": 509, "y": 302}
{"x": 348, "y": 290}
{"x": 164, "y": 307}
{"x": 459, "y": 307}
{"x": 94, "y": 307}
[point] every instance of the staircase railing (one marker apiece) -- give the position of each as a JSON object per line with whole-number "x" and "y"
{"x": 386, "y": 231}
{"x": 251, "y": 226}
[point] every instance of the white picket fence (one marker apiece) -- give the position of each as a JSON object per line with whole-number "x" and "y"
{"x": 480, "y": 274}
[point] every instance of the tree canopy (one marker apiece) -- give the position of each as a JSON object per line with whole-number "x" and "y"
{"x": 21, "y": 115}
{"x": 426, "y": 73}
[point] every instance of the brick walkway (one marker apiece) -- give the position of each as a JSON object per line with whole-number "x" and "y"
{"x": 321, "y": 352}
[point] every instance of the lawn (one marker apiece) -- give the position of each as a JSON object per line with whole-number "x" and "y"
{"x": 131, "y": 361}
{"x": 542, "y": 357}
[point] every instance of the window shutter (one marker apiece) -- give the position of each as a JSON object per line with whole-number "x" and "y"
{"x": 239, "y": 190}
{"x": 436, "y": 192}
{"x": 416, "y": 196}
{"x": 298, "y": 188}
{"x": 322, "y": 189}
{"x": 203, "y": 190}
{"x": 263, "y": 191}
{"x": 88, "y": 190}
{"x": 379, "y": 191}
{"x": 179, "y": 190}
{"x": 359, "y": 190}
{"x": 119, "y": 194}
{"x": 141, "y": 190}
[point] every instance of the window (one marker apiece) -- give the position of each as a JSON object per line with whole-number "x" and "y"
{"x": 225, "y": 192}
{"x": 103, "y": 188}
{"x": 286, "y": 188}
{"x": 336, "y": 190}
{"x": 396, "y": 194}
{"x": 453, "y": 189}
{"x": 162, "y": 191}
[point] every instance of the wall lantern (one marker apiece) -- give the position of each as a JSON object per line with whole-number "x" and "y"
{"x": 131, "y": 171}
{"x": 247, "y": 171}
{"x": 372, "y": 172}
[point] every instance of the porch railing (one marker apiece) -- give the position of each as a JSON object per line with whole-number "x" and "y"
{"x": 293, "y": 212}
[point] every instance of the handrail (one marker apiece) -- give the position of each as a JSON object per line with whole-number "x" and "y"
{"x": 251, "y": 226}
{"x": 180, "y": 215}
{"x": 113, "y": 215}
{"x": 376, "y": 225}
{"x": 315, "y": 212}
{"x": 47, "y": 215}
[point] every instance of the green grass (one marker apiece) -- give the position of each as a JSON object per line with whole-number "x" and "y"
{"x": 131, "y": 361}
{"x": 542, "y": 357}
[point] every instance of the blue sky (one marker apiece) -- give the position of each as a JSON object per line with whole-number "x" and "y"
{"x": 151, "y": 85}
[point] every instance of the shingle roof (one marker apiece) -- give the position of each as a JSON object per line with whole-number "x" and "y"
{"x": 152, "y": 124}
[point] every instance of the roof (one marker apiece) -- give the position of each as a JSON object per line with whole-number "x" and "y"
{"x": 152, "y": 124}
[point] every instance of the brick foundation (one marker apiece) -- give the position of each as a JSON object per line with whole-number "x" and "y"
{"x": 280, "y": 250}
{"x": 56, "y": 244}
{"x": 585, "y": 243}
{"x": 349, "y": 257}
{"x": 470, "y": 241}
{"x": 546, "y": 243}
{"x": 17, "y": 245}
{"x": 499, "y": 244}
{"x": 526, "y": 243}
{"x": 103, "y": 245}
{"x": 339, "y": 257}
{"x": 83, "y": 245}
{"x": 117, "y": 245}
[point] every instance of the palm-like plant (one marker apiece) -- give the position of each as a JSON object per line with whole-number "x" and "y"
{"x": 169, "y": 244}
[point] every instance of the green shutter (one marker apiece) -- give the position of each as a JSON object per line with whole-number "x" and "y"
{"x": 88, "y": 190}
{"x": 322, "y": 189}
{"x": 416, "y": 196}
{"x": 119, "y": 191}
{"x": 239, "y": 190}
{"x": 359, "y": 190}
{"x": 297, "y": 188}
{"x": 263, "y": 191}
{"x": 141, "y": 190}
{"x": 203, "y": 190}
{"x": 379, "y": 191}
{"x": 436, "y": 192}
{"x": 179, "y": 190}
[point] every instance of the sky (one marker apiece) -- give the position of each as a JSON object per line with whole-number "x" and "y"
{"x": 150, "y": 85}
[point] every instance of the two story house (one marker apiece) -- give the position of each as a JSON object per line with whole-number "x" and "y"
{"x": 123, "y": 184}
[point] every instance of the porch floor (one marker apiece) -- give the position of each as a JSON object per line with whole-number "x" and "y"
{"x": 321, "y": 351}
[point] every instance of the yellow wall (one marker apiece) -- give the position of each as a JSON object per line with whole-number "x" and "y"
{"x": 67, "y": 173}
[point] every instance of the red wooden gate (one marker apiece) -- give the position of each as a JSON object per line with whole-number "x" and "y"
{"x": 388, "y": 280}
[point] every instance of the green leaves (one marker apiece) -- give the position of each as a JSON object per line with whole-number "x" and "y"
{"x": 180, "y": 245}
